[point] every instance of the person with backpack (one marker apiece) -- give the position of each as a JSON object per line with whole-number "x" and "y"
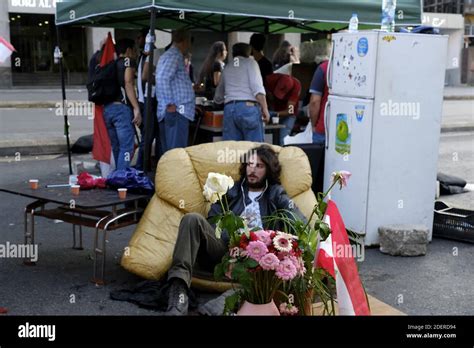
{"x": 122, "y": 114}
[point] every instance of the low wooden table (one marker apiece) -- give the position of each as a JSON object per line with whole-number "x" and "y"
{"x": 98, "y": 208}
{"x": 274, "y": 129}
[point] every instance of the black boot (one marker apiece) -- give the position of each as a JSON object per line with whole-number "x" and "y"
{"x": 178, "y": 300}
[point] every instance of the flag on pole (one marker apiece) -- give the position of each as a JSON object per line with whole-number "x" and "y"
{"x": 6, "y": 50}
{"x": 102, "y": 149}
{"x": 335, "y": 255}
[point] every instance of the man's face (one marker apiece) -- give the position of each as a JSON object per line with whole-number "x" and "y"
{"x": 256, "y": 172}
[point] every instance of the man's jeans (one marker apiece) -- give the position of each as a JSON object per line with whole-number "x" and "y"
{"x": 174, "y": 131}
{"x": 288, "y": 122}
{"x": 118, "y": 120}
{"x": 319, "y": 138}
{"x": 196, "y": 245}
{"x": 242, "y": 122}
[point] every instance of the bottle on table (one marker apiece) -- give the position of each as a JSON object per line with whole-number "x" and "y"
{"x": 354, "y": 23}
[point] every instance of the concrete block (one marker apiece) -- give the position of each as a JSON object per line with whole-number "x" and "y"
{"x": 403, "y": 240}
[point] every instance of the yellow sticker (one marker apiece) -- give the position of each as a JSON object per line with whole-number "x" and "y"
{"x": 389, "y": 38}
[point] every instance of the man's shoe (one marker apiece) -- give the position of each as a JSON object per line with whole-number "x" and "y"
{"x": 178, "y": 301}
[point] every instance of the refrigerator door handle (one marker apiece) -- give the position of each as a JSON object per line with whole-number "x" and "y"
{"x": 326, "y": 123}
{"x": 331, "y": 56}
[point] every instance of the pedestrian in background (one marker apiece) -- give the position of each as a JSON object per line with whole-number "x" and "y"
{"x": 123, "y": 114}
{"x": 174, "y": 93}
{"x": 241, "y": 89}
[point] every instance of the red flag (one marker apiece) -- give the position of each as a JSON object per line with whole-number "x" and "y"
{"x": 335, "y": 255}
{"x": 102, "y": 149}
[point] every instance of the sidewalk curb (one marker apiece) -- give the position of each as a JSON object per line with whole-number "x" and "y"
{"x": 456, "y": 128}
{"x": 36, "y": 104}
{"x": 458, "y": 97}
{"x": 34, "y": 150}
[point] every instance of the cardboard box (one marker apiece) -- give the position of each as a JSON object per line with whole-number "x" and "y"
{"x": 213, "y": 119}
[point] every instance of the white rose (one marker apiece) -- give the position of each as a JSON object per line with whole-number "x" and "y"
{"x": 217, "y": 184}
{"x": 210, "y": 195}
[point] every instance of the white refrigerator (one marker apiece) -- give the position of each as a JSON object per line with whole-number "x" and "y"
{"x": 383, "y": 120}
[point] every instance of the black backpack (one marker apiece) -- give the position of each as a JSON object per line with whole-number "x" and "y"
{"x": 103, "y": 86}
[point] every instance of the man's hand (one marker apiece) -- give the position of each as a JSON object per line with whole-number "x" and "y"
{"x": 265, "y": 116}
{"x": 171, "y": 108}
{"x": 137, "y": 117}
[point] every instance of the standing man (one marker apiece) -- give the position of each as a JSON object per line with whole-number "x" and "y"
{"x": 257, "y": 42}
{"x": 121, "y": 115}
{"x": 241, "y": 89}
{"x": 174, "y": 93}
{"x": 317, "y": 103}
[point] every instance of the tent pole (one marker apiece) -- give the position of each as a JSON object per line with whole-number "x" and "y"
{"x": 63, "y": 88}
{"x": 148, "y": 116}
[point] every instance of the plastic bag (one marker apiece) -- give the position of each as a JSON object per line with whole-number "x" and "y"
{"x": 87, "y": 181}
{"x": 134, "y": 180}
{"x": 305, "y": 137}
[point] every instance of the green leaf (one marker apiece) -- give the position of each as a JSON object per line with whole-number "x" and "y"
{"x": 232, "y": 303}
{"x": 250, "y": 263}
{"x": 215, "y": 219}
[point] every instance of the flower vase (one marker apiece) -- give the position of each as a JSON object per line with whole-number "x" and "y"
{"x": 259, "y": 309}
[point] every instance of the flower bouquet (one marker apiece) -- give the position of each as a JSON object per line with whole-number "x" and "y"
{"x": 261, "y": 263}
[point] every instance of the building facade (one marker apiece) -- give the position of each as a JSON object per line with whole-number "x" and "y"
{"x": 30, "y": 27}
{"x": 456, "y": 19}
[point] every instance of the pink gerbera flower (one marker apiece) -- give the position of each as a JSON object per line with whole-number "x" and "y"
{"x": 264, "y": 236}
{"x": 256, "y": 250}
{"x": 269, "y": 262}
{"x": 286, "y": 270}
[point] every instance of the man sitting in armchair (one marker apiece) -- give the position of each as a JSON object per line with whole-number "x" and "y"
{"x": 258, "y": 194}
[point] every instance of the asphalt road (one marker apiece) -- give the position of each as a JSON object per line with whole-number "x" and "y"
{"x": 439, "y": 283}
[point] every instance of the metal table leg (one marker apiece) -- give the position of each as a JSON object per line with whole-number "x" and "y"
{"x": 100, "y": 248}
{"x": 74, "y": 246}
{"x": 30, "y": 235}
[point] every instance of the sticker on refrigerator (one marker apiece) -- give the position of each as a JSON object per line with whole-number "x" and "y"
{"x": 343, "y": 135}
{"x": 360, "y": 110}
{"x": 362, "y": 46}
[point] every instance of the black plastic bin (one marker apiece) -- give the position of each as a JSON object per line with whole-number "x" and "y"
{"x": 453, "y": 223}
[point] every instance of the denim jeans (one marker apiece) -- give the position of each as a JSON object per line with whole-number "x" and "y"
{"x": 288, "y": 122}
{"x": 118, "y": 120}
{"x": 174, "y": 131}
{"x": 319, "y": 138}
{"x": 242, "y": 122}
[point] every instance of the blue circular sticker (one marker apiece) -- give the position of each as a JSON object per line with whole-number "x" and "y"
{"x": 362, "y": 46}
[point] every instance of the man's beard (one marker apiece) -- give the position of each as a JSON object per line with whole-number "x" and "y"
{"x": 257, "y": 185}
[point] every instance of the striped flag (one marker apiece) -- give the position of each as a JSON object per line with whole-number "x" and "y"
{"x": 351, "y": 297}
{"x": 6, "y": 50}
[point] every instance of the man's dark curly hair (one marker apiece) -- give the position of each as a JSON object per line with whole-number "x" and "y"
{"x": 269, "y": 157}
